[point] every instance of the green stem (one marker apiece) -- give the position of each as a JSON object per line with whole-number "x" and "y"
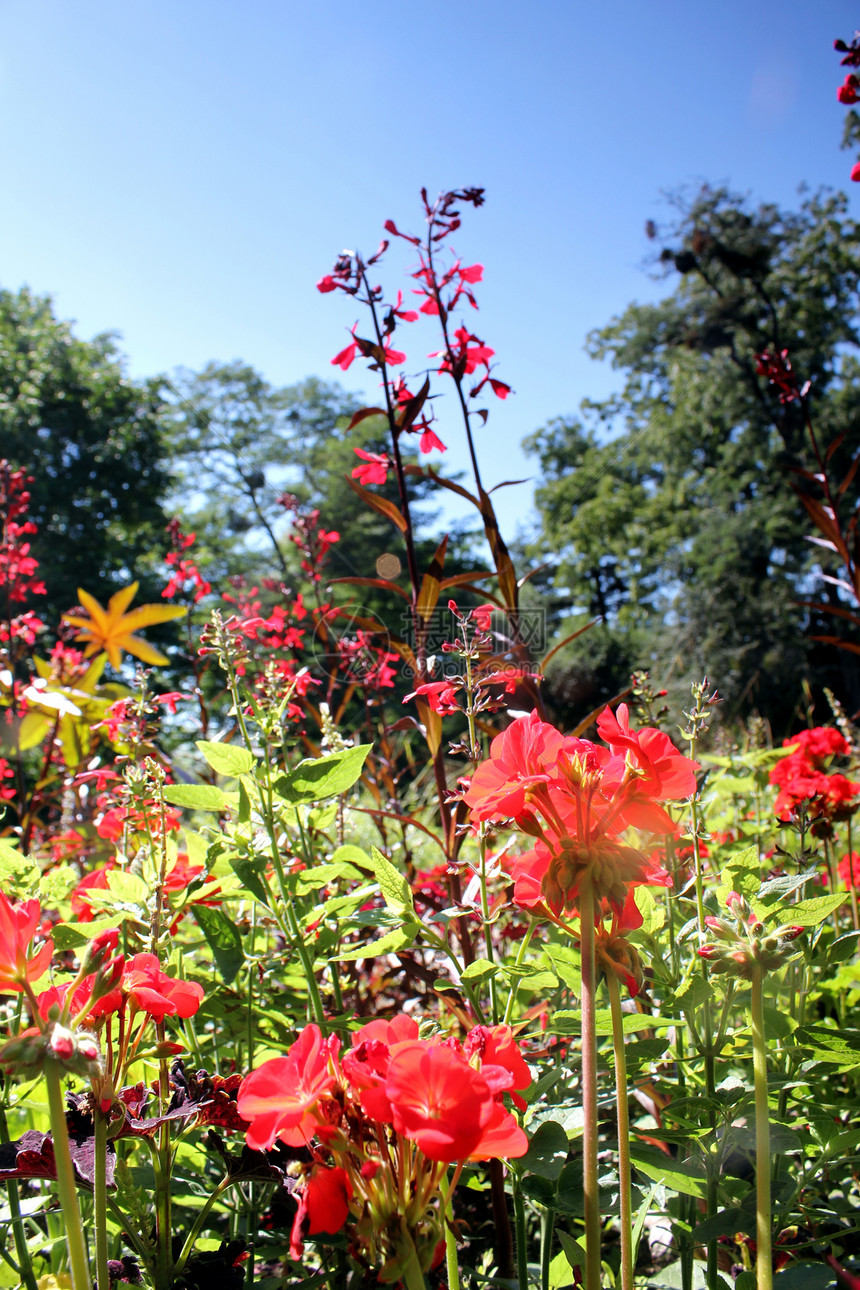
{"x": 100, "y": 1198}
{"x": 764, "y": 1262}
{"x": 589, "y": 1088}
{"x": 623, "y": 1113}
{"x": 25, "y": 1265}
{"x": 413, "y": 1277}
{"x": 520, "y": 1228}
{"x": 451, "y": 1266}
{"x": 521, "y": 954}
{"x": 199, "y": 1224}
{"x": 547, "y": 1224}
{"x": 78, "y": 1262}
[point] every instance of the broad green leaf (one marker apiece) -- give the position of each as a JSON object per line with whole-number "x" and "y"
{"x": 742, "y": 874}
{"x": 127, "y": 887}
{"x": 16, "y": 870}
{"x": 227, "y": 759}
{"x": 398, "y": 939}
{"x": 55, "y": 885}
{"x": 199, "y": 797}
{"x": 808, "y": 913}
{"x": 224, "y": 939}
{"x": 548, "y": 1150}
{"x": 321, "y": 777}
{"x": 70, "y": 936}
{"x": 687, "y": 1179}
{"x": 393, "y": 885}
{"x": 632, "y": 1021}
{"x": 249, "y": 872}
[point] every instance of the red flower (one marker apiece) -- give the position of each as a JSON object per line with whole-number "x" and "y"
{"x": 522, "y": 756}
{"x": 447, "y": 1108}
{"x": 280, "y": 1099}
{"x": 855, "y": 172}
{"x": 376, "y": 471}
{"x": 482, "y": 616}
{"x": 441, "y": 695}
{"x": 501, "y": 1062}
{"x": 323, "y": 1206}
{"x": 151, "y": 991}
{"x": 430, "y": 441}
{"x": 345, "y": 357}
{"x": 847, "y": 92}
{"x": 849, "y": 870}
{"x": 18, "y": 924}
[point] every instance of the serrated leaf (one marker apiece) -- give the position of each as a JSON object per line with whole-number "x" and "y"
{"x": 224, "y": 939}
{"x": 397, "y": 939}
{"x": 393, "y": 885}
{"x": 322, "y": 777}
{"x": 227, "y": 759}
{"x": 808, "y": 913}
{"x": 199, "y": 797}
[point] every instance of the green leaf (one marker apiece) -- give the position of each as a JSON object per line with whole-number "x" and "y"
{"x": 805, "y": 1276}
{"x": 548, "y": 1150}
{"x": 321, "y": 777}
{"x": 227, "y": 759}
{"x": 323, "y": 874}
{"x": 573, "y": 1251}
{"x": 16, "y": 869}
{"x": 479, "y": 970}
{"x": 393, "y": 885}
{"x": 725, "y": 1223}
{"x": 199, "y": 797}
{"x": 808, "y": 913}
{"x": 224, "y": 939}
{"x": 70, "y": 936}
{"x": 631, "y": 1022}
{"x": 742, "y": 874}
{"x": 398, "y": 939}
{"x": 686, "y": 1179}
{"x": 249, "y": 874}
{"x": 778, "y": 1023}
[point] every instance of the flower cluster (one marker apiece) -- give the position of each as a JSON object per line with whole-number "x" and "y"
{"x": 186, "y": 579}
{"x": 744, "y": 944}
{"x": 383, "y": 1120}
{"x": 803, "y": 776}
{"x": 576, "y": 798}
{"x": 17, "y": 566}
{"x": 848, "y": 92}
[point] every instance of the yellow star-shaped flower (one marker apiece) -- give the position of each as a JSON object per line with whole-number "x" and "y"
{"x": 111, "y": 629}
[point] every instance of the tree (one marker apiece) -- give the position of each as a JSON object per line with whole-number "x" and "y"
{"x": 91, "y": 439}
{"x": 670, "y": 505}
{"x": 239, "y": 445}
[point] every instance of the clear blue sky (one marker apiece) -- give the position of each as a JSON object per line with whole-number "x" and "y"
{"x": 182, "y": 171}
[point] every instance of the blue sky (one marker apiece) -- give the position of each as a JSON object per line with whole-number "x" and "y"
{"x": 182, "y": 171}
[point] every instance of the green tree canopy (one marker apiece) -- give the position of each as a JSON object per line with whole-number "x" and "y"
{"x": 91, "y": 439}
{"x": 669, "y": 507}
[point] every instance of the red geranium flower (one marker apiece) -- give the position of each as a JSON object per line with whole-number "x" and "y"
{"x": 18, "y": 924}
{"x": 280, "y": 1099}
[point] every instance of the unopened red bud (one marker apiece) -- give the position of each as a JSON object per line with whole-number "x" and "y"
{"x": 708, "y": 952}
{"x": 88, "y": 1048}
{"x": 369, "y": 1169}
{"x": 791, "y": 933}
{"x": 168, "y": 1049}
{"x": 62, "y": 1043}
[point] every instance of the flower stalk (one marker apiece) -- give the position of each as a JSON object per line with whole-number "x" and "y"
{"x": 78, "y": 1261}
{"x": 764, "y": 1221}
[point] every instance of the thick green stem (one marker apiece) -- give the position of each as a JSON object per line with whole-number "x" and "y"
{"x": 452, "y": 1267}
{"x": 547, "y": 1224}
{"x": 589, "y": 1089}
{"x": 100, "y": 1198}
{"x": 623, "y": 1113}
{"x": 520, "y": 1227}
{"x": 25, "y": 1267}
{"x": 413, "y": 1277}
{"x": 763, "y": 1220}
{"x": 78, "y": 1261}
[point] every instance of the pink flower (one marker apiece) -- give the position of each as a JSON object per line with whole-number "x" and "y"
{"x": 430, "y": 441}
{"x": 376, "y": 470}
